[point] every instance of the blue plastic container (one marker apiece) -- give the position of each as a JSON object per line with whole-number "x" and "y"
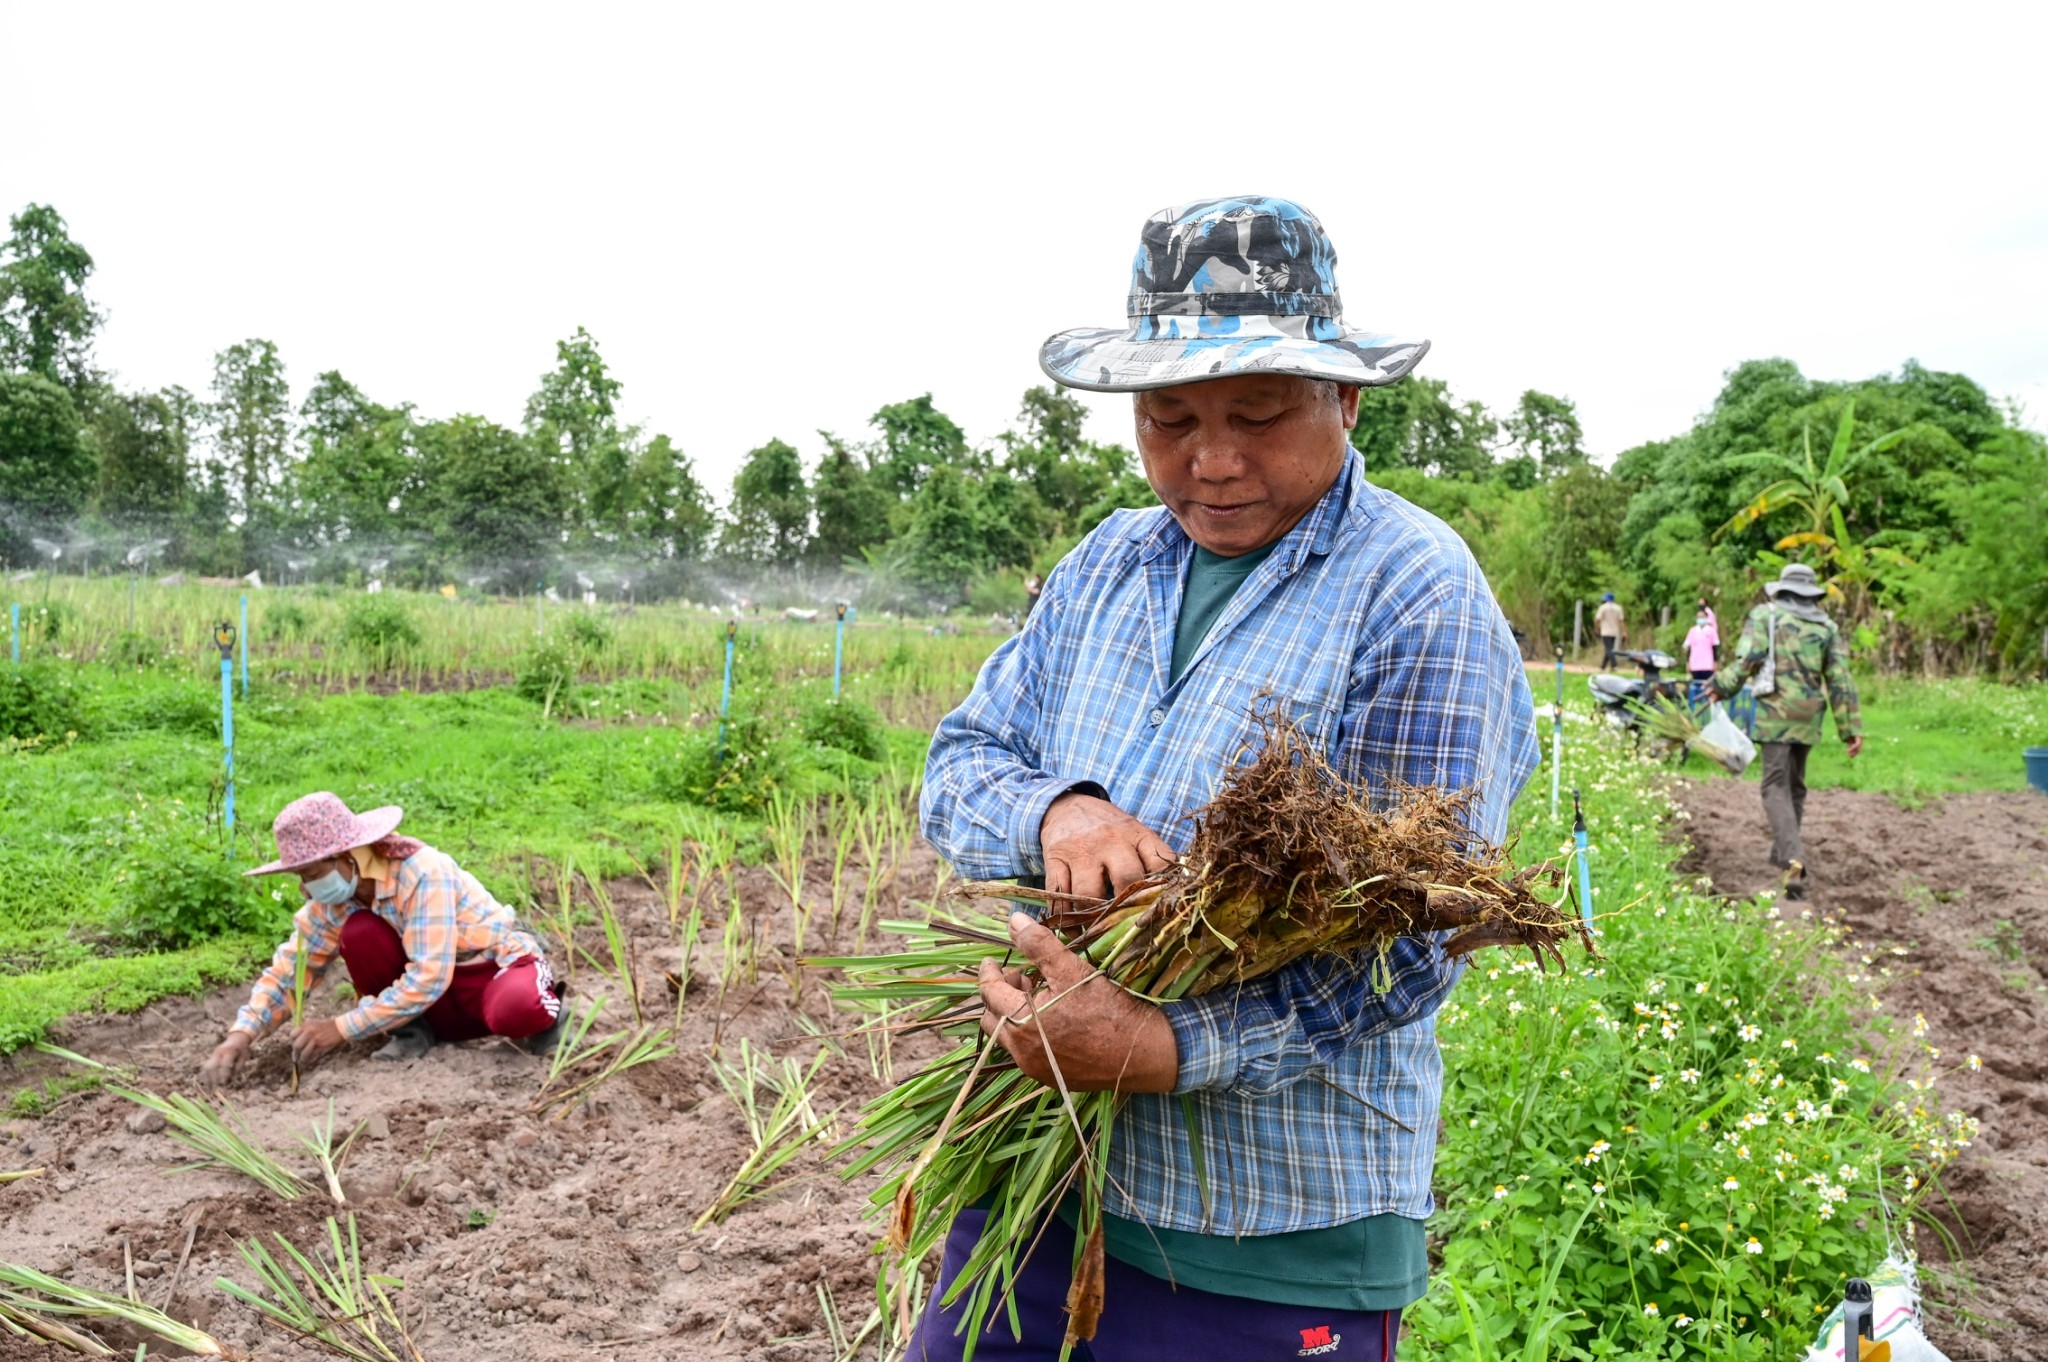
{"x": 2037, "y": 768}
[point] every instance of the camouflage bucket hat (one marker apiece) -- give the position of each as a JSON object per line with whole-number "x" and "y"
{"x": 1243, "y": 285}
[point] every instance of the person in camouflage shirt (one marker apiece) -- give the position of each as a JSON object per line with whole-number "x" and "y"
{"x": 1792, "y": 657}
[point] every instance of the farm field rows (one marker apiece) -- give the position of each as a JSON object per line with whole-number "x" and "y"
{"x": 1590, "y": 1117}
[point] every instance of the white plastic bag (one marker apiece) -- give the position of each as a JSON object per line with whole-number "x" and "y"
{"x": 1894, "y": 1318}
{"x": 1725, "y": 742}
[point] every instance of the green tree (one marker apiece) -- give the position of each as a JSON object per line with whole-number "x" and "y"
{"x": 252, "y": 430}
{"x": 493, "y": 498}
{"x": 1066, "y": 474}
{"x": 1546, "y": 431}
{"x": 769, "y": 520}
{"x": 573, "y": 417}
{"x": 361, "y": 467}
{"x": 945, "y": 545}
{"x": 1130, "y": 491}
{"x": 1583, "y": 511}
{"x": 916, "y": 438}
{"x": 667, "y": 507}
{"x": 1416, "y": 423}
{"x": 145, "y": 444}
{"x": 1764, "y": 407}
{"x": 852, "y": 504}
{"x": 46, "y": 471}
{"x": 46, "y": 322}
{"x": 1988, "y": 586}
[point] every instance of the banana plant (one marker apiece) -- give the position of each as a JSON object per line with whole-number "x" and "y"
{"x": 1818, "y": 488}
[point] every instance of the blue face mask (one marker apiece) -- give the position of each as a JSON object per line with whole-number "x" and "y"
{"x": 331, "y": 888}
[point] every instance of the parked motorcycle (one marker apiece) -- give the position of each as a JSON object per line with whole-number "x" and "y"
{"x": 1622, "y": 699}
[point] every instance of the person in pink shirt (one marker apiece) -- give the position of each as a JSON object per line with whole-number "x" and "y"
{"x": 1701, "y": 642}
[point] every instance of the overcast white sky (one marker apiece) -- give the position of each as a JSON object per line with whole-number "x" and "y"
{"x": 778, "y": 218}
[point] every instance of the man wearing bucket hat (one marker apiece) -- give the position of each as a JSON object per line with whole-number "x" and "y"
{"x": 1794, "y": 661}
{"x": 431, "y": 954}
{"x": 1270, "y": 1171}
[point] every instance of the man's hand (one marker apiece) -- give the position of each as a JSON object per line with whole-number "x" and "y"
{"x": 225, "y": 1063}
{"x": 1103, "y": 1037}
{"x": 315, "y": 1039}
{"x": 1855, "y": 747}
{"x": 1092, "y": 847}
{"x": 1713, "y": 693}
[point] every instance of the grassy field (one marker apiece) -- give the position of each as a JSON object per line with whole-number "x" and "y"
{"x": 115, "y": 883}
{"x": 1926, "y": 738}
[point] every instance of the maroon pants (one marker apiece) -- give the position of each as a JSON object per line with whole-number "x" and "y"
{"x": 481, "y": 1000}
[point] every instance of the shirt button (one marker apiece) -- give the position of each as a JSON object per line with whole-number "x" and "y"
{"x": 1158, "y": 717}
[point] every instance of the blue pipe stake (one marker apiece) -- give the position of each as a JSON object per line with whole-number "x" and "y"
{"x": 245, "y": 647}
{"x": 732, "y": 632}
{"x": 14, "y": 612}
{"x": 227, "y": 739}
{"x": 838, "y": 649}
{"x": 1557, "y": 736}
{"x": 1585, "y": 865}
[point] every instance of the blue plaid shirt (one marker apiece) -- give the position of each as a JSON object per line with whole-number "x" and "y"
{"x": 1371, "y": 623}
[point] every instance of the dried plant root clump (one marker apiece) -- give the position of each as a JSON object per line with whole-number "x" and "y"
{"x": 1288, "y": 860}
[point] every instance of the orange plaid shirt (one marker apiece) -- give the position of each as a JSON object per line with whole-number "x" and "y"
{"x": 439, "y": 910}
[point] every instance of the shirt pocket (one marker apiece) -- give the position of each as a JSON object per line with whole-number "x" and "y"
{"x": 1245, "y": 712}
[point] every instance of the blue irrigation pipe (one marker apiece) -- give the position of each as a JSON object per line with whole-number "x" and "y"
{"x": 224, "y": 639}
{"x": 732, "y": 633}
{"x": 245, "y": 646}
{"x": 1557, "y": 735}
{"x": 1585, "y": 865}
{"x": 838, "y": 649}
{"x": 14, "y": 615}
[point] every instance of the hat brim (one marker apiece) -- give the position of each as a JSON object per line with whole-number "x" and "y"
{"x": 1812, "y": 593}
{"x": 372, "y": 826}
{"x": 1115, "y": 361}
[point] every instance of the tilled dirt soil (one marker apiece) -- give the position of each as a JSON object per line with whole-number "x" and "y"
{"x": 1963, "y": 884}
{"x": 519, "y": 1237}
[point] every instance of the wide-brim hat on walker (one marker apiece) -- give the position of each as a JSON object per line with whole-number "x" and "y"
{"x": 315, "y": 827}
{"x": 1799, "y": 579}
{"x": 1221, "y": 287}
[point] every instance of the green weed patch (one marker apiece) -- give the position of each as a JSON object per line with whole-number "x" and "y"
{"x": 1681, "y": 1150}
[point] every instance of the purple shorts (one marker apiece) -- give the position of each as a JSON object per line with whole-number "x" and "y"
{"x": 1144, "y": 1317}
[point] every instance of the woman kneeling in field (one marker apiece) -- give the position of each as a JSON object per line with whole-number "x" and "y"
{"x": 431, "y": 954}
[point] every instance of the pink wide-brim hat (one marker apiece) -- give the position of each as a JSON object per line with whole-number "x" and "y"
{"x": 317, "y": 826}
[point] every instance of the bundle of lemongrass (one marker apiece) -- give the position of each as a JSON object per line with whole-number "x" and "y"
{"x": 1677, "y": 727}
{"x": 1286, "y": 861}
